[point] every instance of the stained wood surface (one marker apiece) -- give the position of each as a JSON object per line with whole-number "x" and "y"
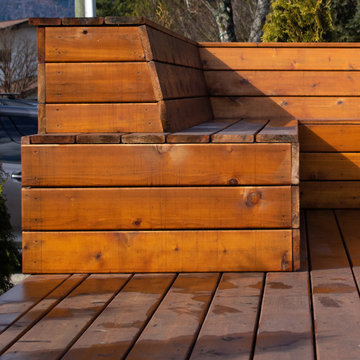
{"x": 157, "y": 251}
{"x": 252, "y": 58}
{"x": 98, "y": 82}
{"x": 287, "y": 108}
{"x": 89, "y": 43}
{"x": 117, "y": 117}
{"x": 41, "y": 91}
{"x": 52, "y": 139}
{"x": 330, "y": 194}
{"x": 282, "y": 83}
{"x": 144, "y": 138}
{"x": 99, "y": 138}
{"x": 295, "y": 206}
{"x": 329, "y": 137}
{"x": 136, "y": 165}
{"x": 156, "y": 208}
{"x": 295, "y": 162}
{"x": 297, "y": 250}
{"x": 40, "y": 44}
{"x": 82, "y": 21}
{"x": 285, "y": 325}
{"x": 242, "y": 131}
{"x": 116, "y": 329}
{"x": 279, "y": 131}
{"x": 228, "y": 330}
{"x": 172, "y": 330}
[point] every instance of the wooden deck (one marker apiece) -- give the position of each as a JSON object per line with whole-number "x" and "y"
{"x": 311, "y": 314}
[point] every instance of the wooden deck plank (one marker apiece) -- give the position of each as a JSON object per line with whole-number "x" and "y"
{"x": 112, "y": 334}
{"x": 144, "y": 138}
{"x": 105, "y": 138}
{"x": 228, "y": 330}
{"x": 285, "y": 325}
{"x": 60, "y": 327}
{"x": 25, "y": 322}
{"x": 23, "y": 297}
{"x": 279, "y": 131}
{"x": 172, "y": 330}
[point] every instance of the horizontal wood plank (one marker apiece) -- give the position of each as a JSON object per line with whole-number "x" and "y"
{"x": 144, "y": 138}
{"x": 157, "y": 251}
{"x": 98, "y": 82}
{"x": 99, "y": 138}
{"x": 162, "y": 164}
{"x": 279, "y": 131}
{"x": 156, "y": 208}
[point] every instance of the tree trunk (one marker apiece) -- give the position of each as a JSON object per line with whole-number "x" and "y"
{"x": 225, "y": 21}
{"x": 262, "y": 9}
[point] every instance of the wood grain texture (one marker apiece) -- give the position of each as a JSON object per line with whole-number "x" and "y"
{"x": 44, "y": 21}
{"x": 89, "y": 43}
{"x": 82, "y": 21}
{"x": 240, "y": 132}
{"x": 295, "y": 206}
{"x": 296, "y": 250}
{"x": 285, "y": 325}
{"x": 41, "y": 44}
{"x": 156, "y": 208}
{"x": 104, "y": 138}
{"x": 155, "y": 165}
{"x": 282, "y": 83}
{"x": 41, "y": 83}
{"x": 126, "y": 117}
{"x": 330, "y": 194}
{"x": 113, "y": 333}
{"x": 330, "y": 166}
{"x": 172, "y": 330}
{"x": 295, "y": 163}
{"x": 287, "y": 108}
{"x": 41, "y": 118}
{"x": 98, "y": 82}
{"x": 252, "y": 58}
{"x": 229, "y": 327}
{"x": 144, "y": 138}
{"x": 52, "y": 139}
{"x": 157, "y": 251}
{"x": 279, "y": 131}
{"x": 329, "y": 137}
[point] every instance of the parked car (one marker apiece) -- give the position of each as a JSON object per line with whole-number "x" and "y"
{"x": 17, "y": 118}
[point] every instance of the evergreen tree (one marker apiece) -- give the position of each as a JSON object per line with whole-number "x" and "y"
{"x": 298, "y": 21}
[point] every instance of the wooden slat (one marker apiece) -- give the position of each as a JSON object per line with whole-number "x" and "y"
{"x": 41, "y": 93}
{"x": 242, "y": 131}
{"x": 297, "y": 251}
{"x": 47, "y": 339}
{"x": 279, "y": 131}
{"x": 329, "y": 138}
{"x": 330, "y": 194}
{"x": 199, "y": 133}
{"x": 41, "y": 44}
{"x": 285, "y": 329}
{"x": 295, "y": 206}
{"x": 25, "y": 295}
{"x": 45, "y": 21}
{"x": 41, "y": 118}
{"x": 173, "y": 328}
{"x": 181, "y": 114}
{"x": 157, "y": 251}
{"x": 154, "y": 165}
{"x": 295, "y": 163}
{"x": 287, "y": 108}
{"x": 105, "y": 138}
{"x": 281, "y": 83}
{"x": 98, "y": 82}
{"x": 144, "y": 138}
{"x": 335, "y": 297}
{"x": 113, "y": 332}
{"x": 139, "y": 117}
{"x": 19, "y": 328}
{"x": 89, "y": 43}
{"x": 82, "y": 21}
{"x": 52, "y": 139}
{"x": 156, "y": 208}
{"x": 280, "y": 58}
{"x": 330, "y": 166}
{"x": 228, "y": 330}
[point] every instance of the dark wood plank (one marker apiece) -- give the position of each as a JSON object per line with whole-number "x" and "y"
{"x": 30, "y": 318}
{"x": 52, "y": 139}
{"x": 242, "y": 131}
{"x": 279, "y": 131}
{"x": 144, "y": 138}
{"x": 41, "y": 44}
{"x": 173, "y": 328}
{"x": 296, "y": 250}
{"x": 295, "y": 163}
{"x": 63, "y": 324}
{"x": 25, "y": 295}
{"x": 78, "y": 21}
{"x": 41, "y": 118}
{"x": 41, "y": 93}
{"x": 228, "y": 329}
{"x": 99, "y": 138}
{"x": 285, "y": 325}
{"x": 44, "y": 21}
{"x": 295, "y": 206}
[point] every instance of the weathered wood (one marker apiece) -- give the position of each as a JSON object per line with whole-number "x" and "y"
{"x": 329, "y": 137}
{"x": 172, "y": 330}
{"x": 115, "y": 330}
{"x": 139, "y": 117}
{"x": 41, "y": 83}
{"x": 105, "y": 138}
{"x": 52, "y": 139}
{"x": 82, "y": 21}
{"x": 41, "y": 119}
{"x": 252, "y": 58}
{"x": 144, "y": 138}
{"x": 279, "y": 131}
{"x": 156, "y": 208}
{"x": 44, "y": 21}
{"x": 242, "y": 131}
{"x": 89, "y": 43}
{"x": 155, "y": 165}
{"x": 31, "y": 317}
{"x": 287, "y": 108}
{"x": 285, "y": 329}
{"x": 25, "y": 140}
{"x": 228, "y": 329}
{"x": 48, "y": 338}
{"x": 41, "y": 44}
{"x": 330, "y": 194}
{"x": 295, "y": 207}
{"x": 157, "y": 251}
{"x": 295, "y": 163}
{"x": 98, "y": 82}
{"x": 199, "y": 133}
{"x": 296, "y": 250}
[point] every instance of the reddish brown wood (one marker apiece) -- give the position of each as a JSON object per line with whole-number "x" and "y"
{"x": 52, "y": 139}
{"x": 77, "y": 21}
{"x": 41, "y": 44}
{"x": 99, "y": 138}
{"x": 45, "y": 21}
